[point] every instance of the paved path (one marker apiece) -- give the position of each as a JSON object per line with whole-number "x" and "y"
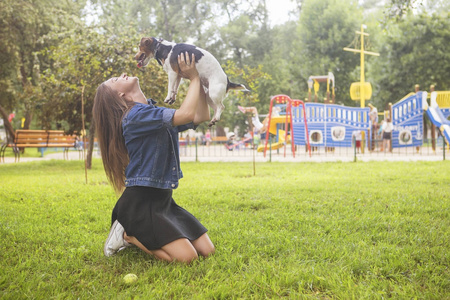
{"x": 73, "y": 155}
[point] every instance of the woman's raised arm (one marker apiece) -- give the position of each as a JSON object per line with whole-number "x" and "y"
{"x": 188, "y": 109}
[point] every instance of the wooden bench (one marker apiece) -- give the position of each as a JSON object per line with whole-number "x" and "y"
{"x": 25, "y": 138}
{"x": 216, "y": 139}
{"x": 219, "y": 139}
{"x": 184, "y": 142}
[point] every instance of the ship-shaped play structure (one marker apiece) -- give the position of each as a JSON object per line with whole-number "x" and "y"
{"x": 329, "y": 125}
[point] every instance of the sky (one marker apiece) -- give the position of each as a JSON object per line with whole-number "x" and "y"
{"x": 278, "y": 10}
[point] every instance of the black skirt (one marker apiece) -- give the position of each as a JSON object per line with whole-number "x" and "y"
{"x": 153, "y": 218}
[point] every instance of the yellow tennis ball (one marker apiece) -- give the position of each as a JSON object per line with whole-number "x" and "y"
{"x": 130, "y": 278}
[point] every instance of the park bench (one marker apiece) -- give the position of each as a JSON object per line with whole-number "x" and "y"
{"x": 219, "y": 139}
{"x": 183, "y": 141}
{"x": 25, "y": 138}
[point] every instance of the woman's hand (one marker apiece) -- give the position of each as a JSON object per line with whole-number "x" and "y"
{"x": 187, "y": 111}
{"x": 187, "y": 66}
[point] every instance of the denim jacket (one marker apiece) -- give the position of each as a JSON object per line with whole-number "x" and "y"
{"x": 152, "y": 144}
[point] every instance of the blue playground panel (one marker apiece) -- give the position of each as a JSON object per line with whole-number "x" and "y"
{"x": 408, "y": 122}
{"x": 329, "y": 125}
{"x": 446, "y": 112}
{"x": 332, "y": 125}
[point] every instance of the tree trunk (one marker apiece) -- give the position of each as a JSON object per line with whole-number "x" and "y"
{"x": 28, "y": 118}
{"x": 8, "y": 127}
{"x": 24, "y": 79}
{"x": 164, "y": 6}
{"x": 91, "y": 146}
{"x": 220, "y": 131}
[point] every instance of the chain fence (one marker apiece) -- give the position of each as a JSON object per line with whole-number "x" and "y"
{"x": 196, "y": 150}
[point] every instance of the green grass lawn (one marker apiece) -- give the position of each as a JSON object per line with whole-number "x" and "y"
{"x": 30, "y": 152}
{"x": 295, "y": 230}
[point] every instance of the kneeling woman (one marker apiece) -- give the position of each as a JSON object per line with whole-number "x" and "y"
{"x": 139, "y": 146}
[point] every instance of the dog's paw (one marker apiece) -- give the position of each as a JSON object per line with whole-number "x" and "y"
{"x": 212, "y": 123}
{"x": 169, "y": 101}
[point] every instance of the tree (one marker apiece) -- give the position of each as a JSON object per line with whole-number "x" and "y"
{"x": 253, "y": 78}
{"x": 23, "y": 24}
{"x": 324, "y": 29}
{"x": 396, "y": 9}
{"x": 278, "y": 63}
{"x": 414, "y": 51}
{"x": 85, "y": 57}
{"x": 173, "y": 20}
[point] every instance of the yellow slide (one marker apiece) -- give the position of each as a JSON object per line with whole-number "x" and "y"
{"x": 276, "y": 145}
{"x": 275, "y": 121}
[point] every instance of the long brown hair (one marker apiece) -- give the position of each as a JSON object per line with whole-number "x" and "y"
{"x": 108, "y": 111}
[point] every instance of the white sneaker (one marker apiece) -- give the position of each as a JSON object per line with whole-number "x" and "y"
{"x": 115, "y": 241}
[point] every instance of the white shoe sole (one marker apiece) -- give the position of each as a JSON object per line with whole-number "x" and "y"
{"x": 111, "y": 232}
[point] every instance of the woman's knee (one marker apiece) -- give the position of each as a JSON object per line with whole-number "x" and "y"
{"x": 203, "y": 245}
{"x": 181, "y": 250}
{"x": 186, "y": 257}
{"x": 207, "y": 251}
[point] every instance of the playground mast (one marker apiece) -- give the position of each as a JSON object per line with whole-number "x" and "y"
{"x": 362, "y": 83}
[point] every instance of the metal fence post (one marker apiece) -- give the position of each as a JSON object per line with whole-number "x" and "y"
{"x": 196, "y": 149}
{"x": 443, "y": 146}
{"x": 270, "y": 147}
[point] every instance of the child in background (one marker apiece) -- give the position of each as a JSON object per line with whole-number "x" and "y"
{"x": 386, "y": 132}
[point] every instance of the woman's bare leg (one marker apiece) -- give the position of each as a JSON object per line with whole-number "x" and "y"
{"x": 203, "y": 245}
{"x": 159, "y": 253}
{"x": 179, "y": 250}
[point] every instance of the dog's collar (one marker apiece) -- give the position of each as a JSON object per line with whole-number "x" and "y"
{"x": 159, "y": 41}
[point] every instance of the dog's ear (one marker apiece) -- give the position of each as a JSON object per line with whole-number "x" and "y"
{"x": 146, "y": 42}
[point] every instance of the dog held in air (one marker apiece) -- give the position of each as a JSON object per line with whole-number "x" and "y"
{"x": 214, "y": 80}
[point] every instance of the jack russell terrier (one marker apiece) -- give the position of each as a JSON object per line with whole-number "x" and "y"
{"x": 214, "y": 80}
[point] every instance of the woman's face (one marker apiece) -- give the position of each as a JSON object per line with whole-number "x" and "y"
{"x": 124, "y": 84}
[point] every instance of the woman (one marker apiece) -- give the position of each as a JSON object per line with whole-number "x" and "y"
{"x": 139, "y": 147}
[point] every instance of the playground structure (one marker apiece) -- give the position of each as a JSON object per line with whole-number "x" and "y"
{"x": 333, "y": 125}
{"x": 361, "y": 90}
{"x": 328, "y": 130}
{"x": 408, "y": 118}
{"x": 330, "y": 125}
{"x": 438, "y": 111}
{"x": 286, "y": 135}
{"x": 314, "y": 81}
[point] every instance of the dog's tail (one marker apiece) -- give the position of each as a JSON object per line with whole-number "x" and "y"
{"x": 236, "y": 86}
